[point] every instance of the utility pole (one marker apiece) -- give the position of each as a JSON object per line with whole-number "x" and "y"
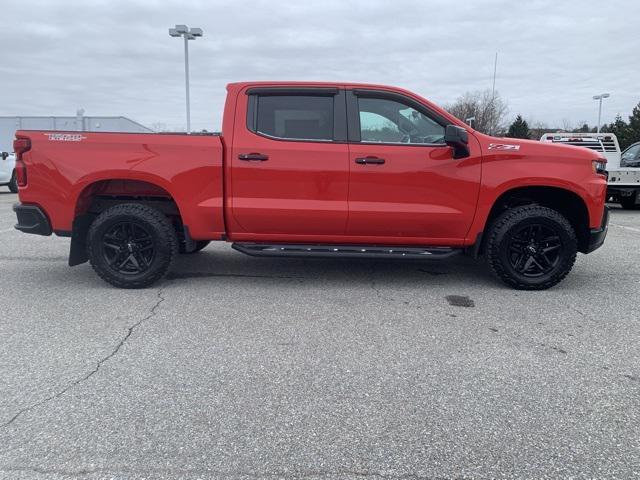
{"x": 188, "y": 34}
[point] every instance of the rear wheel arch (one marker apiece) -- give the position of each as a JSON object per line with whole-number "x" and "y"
{"x": 566, "y": 202}
{"x": 120, "y": 190}
{"x": 103, "y": 194}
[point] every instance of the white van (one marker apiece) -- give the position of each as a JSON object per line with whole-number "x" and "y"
{"x": 624, "y": 182}
{"x": 7, "y": 171}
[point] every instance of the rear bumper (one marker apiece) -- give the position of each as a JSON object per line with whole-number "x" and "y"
{"x": 597, "y": 235}
{"x": 31, "y": 219}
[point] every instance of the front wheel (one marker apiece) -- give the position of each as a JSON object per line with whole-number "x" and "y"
{"x": 131, "y": 245}
{"x": 13, "y": 183}
{"x": 531, "y": 247}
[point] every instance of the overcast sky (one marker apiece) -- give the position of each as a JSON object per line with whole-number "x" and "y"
{"x": 116, "y": 58}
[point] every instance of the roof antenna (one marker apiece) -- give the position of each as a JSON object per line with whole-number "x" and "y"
{"x": 493, "y": 95}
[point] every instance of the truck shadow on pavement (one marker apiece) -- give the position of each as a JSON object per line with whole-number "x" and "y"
{"x": 210, "y": 264}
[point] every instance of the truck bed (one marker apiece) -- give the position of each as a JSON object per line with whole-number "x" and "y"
{"x": 64, "y": 168}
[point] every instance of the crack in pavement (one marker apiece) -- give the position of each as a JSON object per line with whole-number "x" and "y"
{"x": 340, "y": 473}
{"x": 130, "y": 330}
{"x": 374, "y": 285}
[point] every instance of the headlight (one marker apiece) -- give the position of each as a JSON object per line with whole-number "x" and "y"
{"x": 599, "y": 166}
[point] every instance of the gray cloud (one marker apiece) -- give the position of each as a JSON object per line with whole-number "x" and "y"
{"x": 116, "y": 58}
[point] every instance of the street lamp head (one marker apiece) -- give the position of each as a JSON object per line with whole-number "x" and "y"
{"x": 173, "y": 32}
{"x": 182, "y": 29}
{"x": 196, "y": 32}
{"x": 190, "y": 37}
{"x": 605, "y": 95}
{"x": 601, "y": 96}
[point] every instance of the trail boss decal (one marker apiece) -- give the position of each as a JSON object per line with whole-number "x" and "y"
{"x": 65, "y": 137}
{"x": 503, "y": 146}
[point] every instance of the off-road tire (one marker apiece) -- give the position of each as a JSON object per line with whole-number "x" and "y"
{"x": 501, "y": 239}
{"x": 200, "y": 244}
{"x": 159, "y": 232}
{"x": 13, "y": 183}
{"x": 629, "y": 203}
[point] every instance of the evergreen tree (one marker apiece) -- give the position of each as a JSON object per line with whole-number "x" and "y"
{"x": 633, "y": 128}
{"x": 519, "y": 128}
{"x": 620, "y": 129}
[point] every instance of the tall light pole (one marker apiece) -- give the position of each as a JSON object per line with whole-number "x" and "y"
{"x": 188, "y": 34}
{"x": 600, "y": 97}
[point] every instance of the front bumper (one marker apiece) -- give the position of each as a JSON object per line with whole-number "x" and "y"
{"x": 597, "y": 235}
{"x": 31, "y": 219}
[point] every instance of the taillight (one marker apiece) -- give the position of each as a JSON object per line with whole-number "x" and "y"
{"x": 21, "y": 172}
{"x": 20, "y": 146}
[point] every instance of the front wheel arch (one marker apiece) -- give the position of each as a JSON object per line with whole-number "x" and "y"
{"x": 567, "y": 203}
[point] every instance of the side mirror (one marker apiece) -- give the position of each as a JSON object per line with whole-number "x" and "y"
{"x": 5, "y": 155}
{"x": 458, "y": 138}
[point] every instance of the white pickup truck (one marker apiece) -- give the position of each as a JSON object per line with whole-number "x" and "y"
{"x": 623, "y": 185}
{"x": 7, "y": 171}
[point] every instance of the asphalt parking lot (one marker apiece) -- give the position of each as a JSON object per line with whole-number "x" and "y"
{"x": 236, "y": 367}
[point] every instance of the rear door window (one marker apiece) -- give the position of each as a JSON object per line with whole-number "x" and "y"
{"x": 295, "y": 117}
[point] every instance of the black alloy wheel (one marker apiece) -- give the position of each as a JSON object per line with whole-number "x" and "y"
{"x": 531, "y": 247}
{"x": 534, "y": 250}
{"x": 131, "y": 245}
{"x": 128, "y": 248}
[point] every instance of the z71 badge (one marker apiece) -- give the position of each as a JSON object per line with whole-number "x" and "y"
{"x": 65, "y": 137}
{"x": 503, "y": 146}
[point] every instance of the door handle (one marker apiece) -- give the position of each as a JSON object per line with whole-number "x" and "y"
{"x": 370, "y": 161}
{"x": 258, "y": 157}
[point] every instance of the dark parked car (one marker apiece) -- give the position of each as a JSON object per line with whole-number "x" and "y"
{"x": 631, "y": 156}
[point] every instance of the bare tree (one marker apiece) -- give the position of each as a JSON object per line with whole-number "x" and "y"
{"x": 567, "y": 126}
{"x": 489, "y": 111}
{"x": 539, "y": 128}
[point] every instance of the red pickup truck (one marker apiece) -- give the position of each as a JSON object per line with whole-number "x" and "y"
{"x": 314, "y": 169}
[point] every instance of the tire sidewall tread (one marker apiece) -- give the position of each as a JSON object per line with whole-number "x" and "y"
{"x": 164, "y": 237}
{"x": 514, "y": 217}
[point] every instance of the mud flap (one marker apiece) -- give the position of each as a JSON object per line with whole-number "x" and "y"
{"x": 189, "y": 243}
{"x": 78, "y": 248}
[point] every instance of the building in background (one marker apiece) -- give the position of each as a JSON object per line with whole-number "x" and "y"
{"x": 81, "y": 123}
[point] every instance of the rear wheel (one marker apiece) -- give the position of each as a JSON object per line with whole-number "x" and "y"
{"x": 13, "y": 184}
{"x": 131, "y": 245}
{"x": 531, "y": 247}
{"x": 629, "y": 203}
